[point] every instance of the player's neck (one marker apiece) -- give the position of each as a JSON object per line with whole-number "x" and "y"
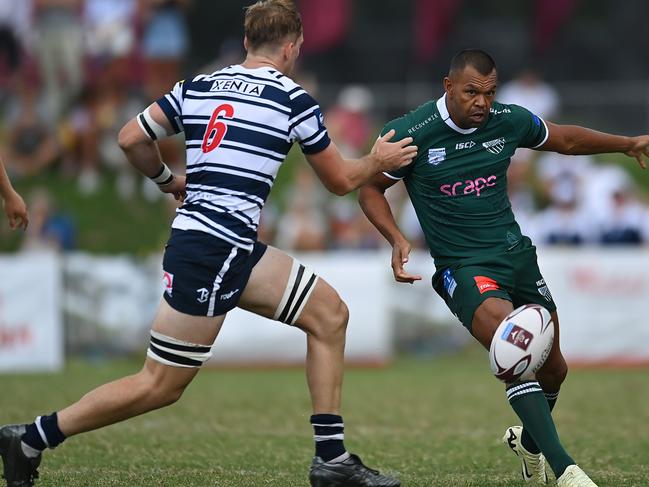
{"x": 254, "y": 61}
{"x": 456, "y": 120}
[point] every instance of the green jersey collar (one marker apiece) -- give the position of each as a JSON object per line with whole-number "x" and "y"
{"x": 443, "y": 111}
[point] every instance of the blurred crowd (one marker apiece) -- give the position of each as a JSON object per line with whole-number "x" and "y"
{"x": 72, "y": 72}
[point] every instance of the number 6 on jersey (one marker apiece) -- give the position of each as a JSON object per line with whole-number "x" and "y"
{"x": 216, "y": 129}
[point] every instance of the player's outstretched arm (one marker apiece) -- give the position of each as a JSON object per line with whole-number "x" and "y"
{"x": 14, "y": 206}
{"x": 575, "y": 140}
{"x": 142, "y": 151}
{"x": 377, "y": 209}
{"x": 340, "y": 176}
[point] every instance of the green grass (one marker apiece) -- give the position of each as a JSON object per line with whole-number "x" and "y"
{"x": 433, "y": 423}
{"x": 104, "y": 222}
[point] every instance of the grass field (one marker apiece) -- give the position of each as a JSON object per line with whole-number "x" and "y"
{"x": 432, "y": 423}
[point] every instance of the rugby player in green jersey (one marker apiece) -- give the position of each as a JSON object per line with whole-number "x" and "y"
{"x": 485, "y": 267}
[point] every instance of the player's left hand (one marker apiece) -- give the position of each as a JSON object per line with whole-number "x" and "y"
{"x": 400, "y": 252}
{"x": 16, "y": 211}
{"x": 640, "y": 149}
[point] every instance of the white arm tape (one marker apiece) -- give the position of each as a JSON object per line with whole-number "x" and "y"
{"x": 165, "y": 176}
{"x": 149, "y": 126}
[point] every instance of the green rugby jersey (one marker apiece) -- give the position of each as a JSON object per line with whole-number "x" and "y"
{"x": 458, "y": 181}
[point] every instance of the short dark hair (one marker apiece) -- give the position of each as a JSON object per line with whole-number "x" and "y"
{"x": 476, "y": 58}
{"x": 268, "y": 22}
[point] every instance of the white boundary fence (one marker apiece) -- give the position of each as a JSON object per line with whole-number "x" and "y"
{"x": 108, "y": 303}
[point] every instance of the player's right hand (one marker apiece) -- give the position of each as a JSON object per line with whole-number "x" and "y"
{"x": 393, "y": 155}
{"x": 400, "y": 252}
{"x": 176, "y": 187}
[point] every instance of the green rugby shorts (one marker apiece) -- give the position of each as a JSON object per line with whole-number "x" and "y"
{"x": 513, "y": 275}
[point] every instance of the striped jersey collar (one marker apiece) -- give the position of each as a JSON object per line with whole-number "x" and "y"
{"x": 443, "y": 111}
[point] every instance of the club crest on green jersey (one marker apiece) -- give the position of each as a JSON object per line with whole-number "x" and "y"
{"x": 436, "y": 156}
{"x": 495, "y": 146}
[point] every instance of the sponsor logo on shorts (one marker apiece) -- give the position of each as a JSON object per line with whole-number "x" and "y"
{"x": 449, "y": 282}
{"x": 517, "y": 336}
{"x": 225, "y": 296}
{"x": 512, "y": 240}
{"x": 168, "y": 281}
{"x": 436, "y": 156}
{"x": 495, "y": 146}
{"x": 203, "y": 295}
{"x": 485, "y": 284}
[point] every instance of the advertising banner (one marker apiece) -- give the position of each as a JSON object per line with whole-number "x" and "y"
{"x": 31, "y": 335}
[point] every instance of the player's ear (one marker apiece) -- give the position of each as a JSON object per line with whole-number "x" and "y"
{"x": 245, "y": 43}
{"x": 286, "y": 49}
{"x": 448, "y": 85}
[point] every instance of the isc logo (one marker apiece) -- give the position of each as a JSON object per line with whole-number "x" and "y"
{"x": 464, "y": 145}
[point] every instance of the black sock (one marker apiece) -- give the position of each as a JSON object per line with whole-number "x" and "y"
{"x": 526, "y": 438}
{"x": 328, "y": 433}
{"x": 43, "y": 433}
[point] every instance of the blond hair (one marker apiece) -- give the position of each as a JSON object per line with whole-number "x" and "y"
{"x": 269, "y": 22}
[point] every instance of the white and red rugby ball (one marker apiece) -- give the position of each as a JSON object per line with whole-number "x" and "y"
{"x": 522, "y": 343}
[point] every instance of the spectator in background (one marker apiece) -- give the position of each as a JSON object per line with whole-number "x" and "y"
{"x": 164, "y": 44}
{"x": 230, "y": 52}
{"x": 59, "y": 49}
{"x": 110, "y": 38}
{"x": 49, "y": 229}
{"x": 80, "y": 141}
{"x": 349, "y": 228}
{"x": 563, "y": 222}
{"x": 530, "y": 91}
{"x": 349, "y": 120}
{"x": 31, "y": 144}
{"x": 115, "y": 107}
{"x": 625, "y": 220}
{"x": 303, "y": 226}
{"x": 15, "y": 31}
{"x": 519, "y": 189}
{"x": 564, "y": 181}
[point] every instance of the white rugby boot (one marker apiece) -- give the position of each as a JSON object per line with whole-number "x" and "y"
{"x": 575, "y": 477}
{"x": 532, "y": 464}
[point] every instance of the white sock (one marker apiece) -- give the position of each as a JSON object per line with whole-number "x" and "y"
{"x": 29, "y": 451}
{"x": 340, "y": 459}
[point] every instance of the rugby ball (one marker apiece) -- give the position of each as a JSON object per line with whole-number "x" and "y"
{"x": 522, "y": 343}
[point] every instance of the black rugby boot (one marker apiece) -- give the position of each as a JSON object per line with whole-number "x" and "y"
{"x": 19, "y": 470}
{"x": 350, "y": 473}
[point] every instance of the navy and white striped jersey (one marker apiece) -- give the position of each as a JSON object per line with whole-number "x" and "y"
{"x": 239, "y": 125}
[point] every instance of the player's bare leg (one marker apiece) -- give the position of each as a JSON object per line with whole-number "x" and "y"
{"x": 157, "y": 385}
{"x": 555, "y": 369}
{"x": 323, "y": 316}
